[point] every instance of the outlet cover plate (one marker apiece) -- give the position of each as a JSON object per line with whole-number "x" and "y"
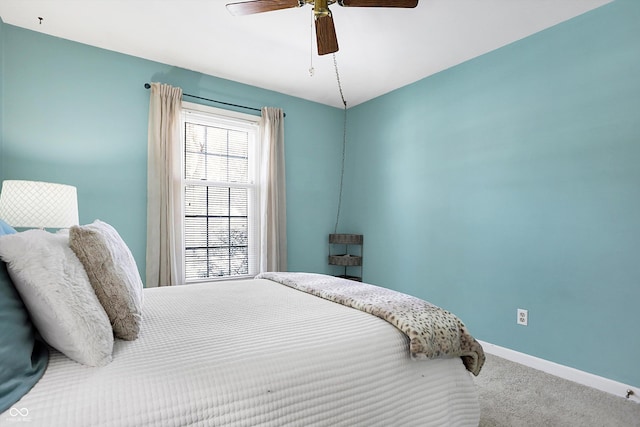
{"x": 523, "y": 317}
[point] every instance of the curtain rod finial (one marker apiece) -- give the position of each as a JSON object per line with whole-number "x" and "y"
{"x": 147, "y": 86}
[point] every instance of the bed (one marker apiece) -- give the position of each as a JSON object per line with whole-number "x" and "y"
{"x": 255, "y": 352}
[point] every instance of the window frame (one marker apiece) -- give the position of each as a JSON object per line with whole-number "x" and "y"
{"x": 228, "y": 119}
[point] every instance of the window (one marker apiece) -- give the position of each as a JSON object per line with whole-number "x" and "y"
{"x": 221, "y": 194}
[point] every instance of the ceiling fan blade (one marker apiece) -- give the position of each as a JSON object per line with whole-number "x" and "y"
{"x": 326, "y": 34}
{"x": 259, "y": 6}
{"x": 378, "y": 3}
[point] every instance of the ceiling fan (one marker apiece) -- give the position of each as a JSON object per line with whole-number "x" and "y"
{"x": 325, "y": 30}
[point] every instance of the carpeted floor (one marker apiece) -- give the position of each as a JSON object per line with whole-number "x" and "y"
{"x": 515, "y": 395}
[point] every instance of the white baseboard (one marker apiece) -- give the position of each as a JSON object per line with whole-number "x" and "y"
{"x": 566, "y": 372}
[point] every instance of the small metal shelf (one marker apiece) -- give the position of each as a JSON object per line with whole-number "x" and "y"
{"x": 347, "y": 258}
{"x": 356, "y": 278}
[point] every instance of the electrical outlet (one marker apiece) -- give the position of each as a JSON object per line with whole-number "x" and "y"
{"x": 523, "y": 317}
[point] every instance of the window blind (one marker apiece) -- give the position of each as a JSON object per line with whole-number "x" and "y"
{"x": 220, "y": 199}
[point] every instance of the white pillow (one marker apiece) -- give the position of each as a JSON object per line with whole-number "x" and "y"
{"x": 56, "y": 291}
{"x": 113, "y": 273}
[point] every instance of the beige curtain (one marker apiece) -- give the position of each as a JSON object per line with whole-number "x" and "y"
{"x": 164, "y": 256}
{"x": 273, "y": 222}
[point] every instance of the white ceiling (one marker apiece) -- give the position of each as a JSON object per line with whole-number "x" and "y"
{"x": 380, "y": 49}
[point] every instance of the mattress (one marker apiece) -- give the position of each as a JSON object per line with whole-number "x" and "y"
{"x": 253, "y": 353}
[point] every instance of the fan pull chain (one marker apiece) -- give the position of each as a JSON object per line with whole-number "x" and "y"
{"x": 344, "y": 142}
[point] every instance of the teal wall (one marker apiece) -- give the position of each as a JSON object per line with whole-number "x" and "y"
{"x": 513, "y": 181}
{"x": 77, "y": 114}
{"x": 2, "y": 25}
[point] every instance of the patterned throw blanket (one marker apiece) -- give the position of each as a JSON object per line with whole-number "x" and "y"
{"x": 433, "y": 332}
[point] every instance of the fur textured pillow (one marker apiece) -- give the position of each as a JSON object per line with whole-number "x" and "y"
{"x": 24, "y": 357}
{"x": 56, "y": 291}
{"x": 113, "y": 273}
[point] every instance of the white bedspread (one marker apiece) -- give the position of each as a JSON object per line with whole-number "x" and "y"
{"x": 249, "y": 353}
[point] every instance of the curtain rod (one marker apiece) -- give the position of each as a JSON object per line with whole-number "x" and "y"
{"x": 148, "y": 86}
